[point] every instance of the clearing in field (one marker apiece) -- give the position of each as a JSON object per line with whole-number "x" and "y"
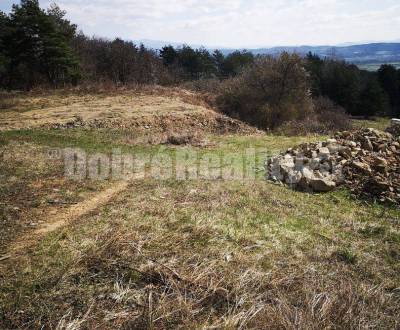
{"x": 140, "y": 252}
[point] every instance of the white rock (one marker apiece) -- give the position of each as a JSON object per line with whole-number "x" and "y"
{"x": 287, "y": 163}
{"x": 307, "y": 173}
{"x": 318, "y": 174}
{"x": 333, "y": 148}
{"x": 300, "y": 162}
{"x": 351, "y": 144}
{"x": 293, "y": 177}
{"x": 395, "y": 122}
{"x": 315, "y": 163}
{"x": 324, "y": 153}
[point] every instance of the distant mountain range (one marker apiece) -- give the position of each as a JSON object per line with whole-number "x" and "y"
{"x": 358, "y": 54}
{"x": 362, "y": 54}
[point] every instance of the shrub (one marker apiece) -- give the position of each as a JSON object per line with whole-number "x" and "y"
{"x": 268, "y": 93}
{"x": 326, "y": 117}
{"x": 333, "y": 116}
{"x": 209, "y": 85}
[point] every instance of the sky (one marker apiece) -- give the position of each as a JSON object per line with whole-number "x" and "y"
{"x": 236, "y": 23}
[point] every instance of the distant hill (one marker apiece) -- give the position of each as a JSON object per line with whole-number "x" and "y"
{"x": 363, "y": 55}
{"x": 358, "y": 54}
{"x": 158, "y": 44}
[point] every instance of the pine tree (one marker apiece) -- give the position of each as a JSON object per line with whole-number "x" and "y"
{"x": 39, "y": 50}
{"x": 373, "y": 99}
{"x": 314, "y": 65}
{"x": 219, "y": 59}
{"x": 342, "y": 84}
{"x": 64, "y": 26}
{"x": 236, "y": 61}
{"x": 4, "y": 58}
{"x": 387, "y": 75}
{"x": 207, "y": 67}
{"x": 169, "y": 55}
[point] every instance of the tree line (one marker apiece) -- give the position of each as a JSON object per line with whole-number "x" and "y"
{"x": 188, "y": 63}
{"x": 41, "y": 47}
{"x": 360, "y": 92}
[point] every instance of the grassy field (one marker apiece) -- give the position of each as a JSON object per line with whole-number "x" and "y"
{"x": 166, "y": 254}
{"x": 377, "y": 123}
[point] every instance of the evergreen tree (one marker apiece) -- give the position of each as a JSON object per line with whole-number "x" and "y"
{"x": 397, "y": 114}
{"x": 4, "y": 56}
{"x": 373, "y": 99}
{"x": 190, "y": 61}
{"x": 341, "y": 83}
{"x": 207, "y": 67}
{"x": 314, "y": 65}
{"x": 218, "y": 59}
{"x": 236, "y": 61}
{"x": 388, "y": 78}
{"x": 39, "y": 51}
{"x": 64, "y": 26}
{"x": 169, "y": 55}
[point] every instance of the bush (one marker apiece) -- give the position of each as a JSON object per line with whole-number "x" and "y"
{"x": 268, "y": 93}
{"x": 326, "y": 117}
{"x": 210, "y": 85}
{"x": 332, "y": 115}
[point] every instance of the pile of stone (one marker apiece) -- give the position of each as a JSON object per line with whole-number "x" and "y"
{"x": 394, "y": 128}
{"x": 367, "y": 161}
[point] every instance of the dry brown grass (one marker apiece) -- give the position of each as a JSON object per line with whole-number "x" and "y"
{"x": 32, "y": 184}
{"x": 151, "y": 114}
{"x": 192, "y": 254}
{"x": 214, "y": 255}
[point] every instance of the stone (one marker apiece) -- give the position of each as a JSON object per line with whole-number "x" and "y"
{"x": 361, "y": 166}
{"x": 366, "y": 161}
{"x": 323, "y": 153}
{"x": 293, "y": 177}
{"x": 380, "y": 162}
{"x": 333, "y": 148}
{"x": 300, "y": 162}
{"x": 287, "y": 164}
{"x": 366, "y": 144}
{"x": 382, "y": 147}
{"x": 315, "y": 163}
{"x": 307, "y": 173}
{"x": 394, "y": 129}
{"x": 345, "y": 152}
{"x": 338, "y": 175}
{"x": 351, "y": 144}
{"x": 318, "y": 174}
{"x": 322, "y": 185}
{"x": 304, "y": 184}
{"x": 395, "y": 122}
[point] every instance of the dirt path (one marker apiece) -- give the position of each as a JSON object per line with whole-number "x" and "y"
{"x": 65, "y": 217}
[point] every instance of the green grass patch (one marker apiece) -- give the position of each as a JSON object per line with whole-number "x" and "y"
{"x": 377, "y": 123}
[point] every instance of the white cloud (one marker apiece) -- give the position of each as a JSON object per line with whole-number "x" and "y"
{"x": 238, "y": 22}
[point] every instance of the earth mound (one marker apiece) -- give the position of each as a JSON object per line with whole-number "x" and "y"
{"x": 151, "y": 116}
